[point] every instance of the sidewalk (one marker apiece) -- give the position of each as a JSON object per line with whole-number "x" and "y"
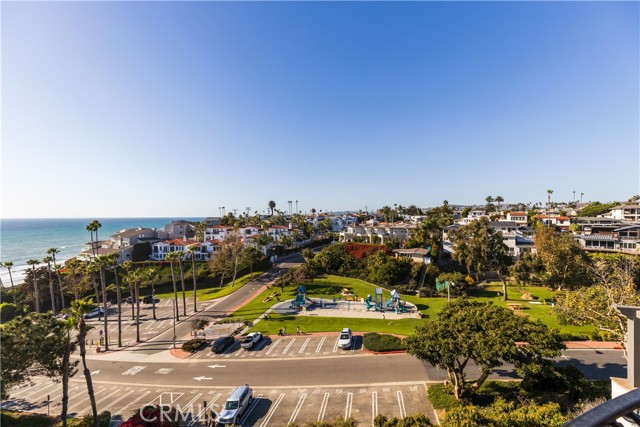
{"x": 593, "y": 345}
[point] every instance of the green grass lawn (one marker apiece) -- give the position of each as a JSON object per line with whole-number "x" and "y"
{"x": 331, "y": 287}
{"x": 211, "y": 292}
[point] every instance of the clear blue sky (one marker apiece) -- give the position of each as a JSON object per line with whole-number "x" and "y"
{"x": 174, "y": 109}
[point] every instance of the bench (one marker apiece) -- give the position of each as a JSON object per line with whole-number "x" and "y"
{"x": 515, "y": 306}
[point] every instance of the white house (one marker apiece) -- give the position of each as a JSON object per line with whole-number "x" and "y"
{"x": 629, "y": 213}
{"x": 216, "y": 232}
{"x": 519, "y": 217}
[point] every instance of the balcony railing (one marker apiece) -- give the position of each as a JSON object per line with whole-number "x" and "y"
{"x": 607, "y": 414}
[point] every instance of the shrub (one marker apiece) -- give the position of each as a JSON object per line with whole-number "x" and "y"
{"x": 194, "y": 345}
{"x": 418, "y": 420}
{"x": 382, "y": 342}
{"x": 441, "y": 398}
{"x": 104, "y": 420}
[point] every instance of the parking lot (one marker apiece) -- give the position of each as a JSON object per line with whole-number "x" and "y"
{"x": 271, "y": 406}
{"x": 148, "y": 326}
{"x": 285, "y": 346}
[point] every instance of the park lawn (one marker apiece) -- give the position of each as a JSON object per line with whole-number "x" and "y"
{"x": 308, "y": 324}
{"x": 331, "y": 286}
{"x": 24, "y": 419}
{"x": 212, "y": 292}
{"x": 258, "y": 305}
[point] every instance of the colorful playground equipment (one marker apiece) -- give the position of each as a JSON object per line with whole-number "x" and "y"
{"x": 301, "y": 299}
{"x": 394, "y": 303}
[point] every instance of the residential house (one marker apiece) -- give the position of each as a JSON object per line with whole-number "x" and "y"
{"x": 594, "y": 225}
{"x": 383, "y": 230}
{"x": 418, "y": 255}
{"x": 217, "y": 232}
{"x": 519, "y": 217}
{"x": 179, "y": 229}
{"x": 628, "y": 213}
{"x": 203, "y": 251}
{"x": 621, "y": 240}
{"x": 560, "y": 221}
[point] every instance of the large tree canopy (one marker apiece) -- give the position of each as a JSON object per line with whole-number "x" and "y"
{"x": 565, "y": 262}
{"x": 486, "y": 334}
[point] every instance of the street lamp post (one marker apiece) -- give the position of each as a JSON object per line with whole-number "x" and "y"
{"x": 174, "y": 322}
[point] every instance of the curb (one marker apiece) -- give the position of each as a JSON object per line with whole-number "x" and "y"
{"x": 178, "y": 353}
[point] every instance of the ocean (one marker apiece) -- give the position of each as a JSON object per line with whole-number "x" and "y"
{"x": 24, "y": 239}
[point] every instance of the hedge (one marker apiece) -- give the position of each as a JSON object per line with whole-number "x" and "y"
{"x": 194, "y": 345}
{"x": 441, "y": 398}
{"x": 382, "y": 342}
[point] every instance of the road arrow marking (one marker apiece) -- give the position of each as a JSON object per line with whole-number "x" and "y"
{"x": 95, "y": 372}
{"x": 217, "y": 366}
{"x": 202, "y": 378}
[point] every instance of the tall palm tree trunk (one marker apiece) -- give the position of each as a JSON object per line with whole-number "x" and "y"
{"x": 65, "y": 379}
{"x": 51, "y": 291}
{"x": 36, "y": 290}
{"x": 153, "y": 299}
{"x": 195, "y": 285}
{"x": 132, "y": 295}
{"x": 184, "y": 295}
{"x": 175, "y": 292}
{"x": 137, "y": 285}
{"x": 82, "y": 335}
{"x": 103, "y": 283}
{"x": 57, "y": 268}
{"x": 119, "y": 300}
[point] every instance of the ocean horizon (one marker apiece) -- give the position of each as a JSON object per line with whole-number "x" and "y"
{"x": 22, "y": 239}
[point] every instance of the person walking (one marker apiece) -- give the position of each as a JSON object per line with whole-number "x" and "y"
{"x": 284, "y": 331}
{"x": 298, "y": 330}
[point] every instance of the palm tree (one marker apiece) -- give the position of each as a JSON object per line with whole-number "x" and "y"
{"x": 96, "y": 227}
{"x": 8, "y": 265}
{"x": 135, "y": 277}
{"x": 47, "y": 260}
{"x": 127, "y": 266}
{"x": 36, "y": 290}
{"x": 499, "y": 200}
{"x": 549, "y": 193}
{"x": 199, "y": 229}
{"x": 272, "y": 206}
{"x": 192, "y": 253}
{"x": 91, "y": 228}
{"x": 103, "y": 262}
{"x": 78, "y": 309}
{"x": 113, "y": 260}
{"x": 68, "y": 368}
{"x": 53, "y": 252}
{"x": 172, "y": 257}
{"x": 184, "y": 295}
{"x": 151, "y": 275}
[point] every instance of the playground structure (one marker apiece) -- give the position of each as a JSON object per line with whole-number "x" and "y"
{"x": 301, "y": 299}
{"x": 393, "y": 304}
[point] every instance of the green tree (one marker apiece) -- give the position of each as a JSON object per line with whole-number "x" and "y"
{"x": 499, "y": 200}
{"x": 480, "y": 248}
{"x": 127, "y": 266}
{"x": 9, "y": 265}
{"x": 486, "y": 334}
{"x": 36, "y": 285}
{"x": 565, "y": 263}
{"x": 272, "y": 206}
{"x": 135, "y": 277}
{"x": 251, "y": 256}
{"x": 150, "y": 275}
{"x": 184, "y": 289}
{"x": 615, "y": 283}
{"x": 489, "y": 208}
{"x": 91, "y": 228}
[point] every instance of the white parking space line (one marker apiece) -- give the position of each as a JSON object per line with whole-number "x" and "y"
{"x": 335, "y": 346}
{"x": 347, "y": 409}
{"x": 98, "y": 402}
{"x": 58, "y": 395}
{"x": 304, "y": 345}
{"x": 320, "y": 344}
{"x": 189, "y": 404}
{"x": 202, "y": 412}
{"x": 35, "y": 389}
{"x": 96, "y": 392}
{"x": 113, "y": 402}
{"x": 296, "y": 411}
{"x": 286, "y": 349}
{"x": 403, "y": 411}
{"x": 374, "y": 406}
{"x": 259, "y": 347}
{"x": 149, "y": 324}
{"x": 142, "y": 396}
{"x": 323, "y": 406}
{"x": 256, "y": 399}
{"x": 272, "y": 410}
{"x": 275, "y": 344}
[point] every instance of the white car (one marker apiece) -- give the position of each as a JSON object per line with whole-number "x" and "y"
{"x": 346, "y": 337}
{"x": 94, "y": 313}
{"x": 250, "y": 340}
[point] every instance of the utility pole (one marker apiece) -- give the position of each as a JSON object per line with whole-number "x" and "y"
{"x": 297, "y": 211}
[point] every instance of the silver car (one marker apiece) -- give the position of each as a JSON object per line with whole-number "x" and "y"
{"x": 236, "y": 405}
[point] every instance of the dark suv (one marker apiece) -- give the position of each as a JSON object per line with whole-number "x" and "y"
{"x": 221, "y": 344}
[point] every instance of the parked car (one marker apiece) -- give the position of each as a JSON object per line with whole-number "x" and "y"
{"x": 130, "y": 300}
{"x": 221, "y": 344}
{"x": 94, "y": 313}
{"x": 236, "y": 405}
{"x": 148, "y": 299}
{"x": 250, "y": 340}
{"x": 346, "y": 338}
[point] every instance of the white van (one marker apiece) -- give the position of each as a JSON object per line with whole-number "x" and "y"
{"x": 346, "y": 338}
